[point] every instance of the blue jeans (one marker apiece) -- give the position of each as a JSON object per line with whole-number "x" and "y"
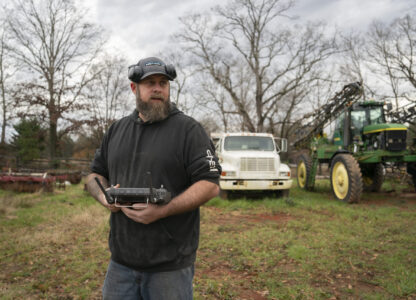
{"x": 124, "y": 283}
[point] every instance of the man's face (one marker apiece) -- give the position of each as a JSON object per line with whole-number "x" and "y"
{"x": 152, "y": 97}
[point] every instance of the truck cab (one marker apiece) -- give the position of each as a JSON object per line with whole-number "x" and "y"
{"x": 251, "y": 162}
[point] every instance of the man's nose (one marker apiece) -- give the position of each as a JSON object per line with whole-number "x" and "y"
{"x": 157, "y": 87}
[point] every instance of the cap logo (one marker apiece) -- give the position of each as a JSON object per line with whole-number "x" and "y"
{"x": 153, "y": 63}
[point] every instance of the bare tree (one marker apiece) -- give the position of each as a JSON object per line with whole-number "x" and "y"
{"x": 181, "y": 88}
{"x": 246, "y": 35}
{"x": 353, "y": 65}
{"x": 7, "y": 70}
{"x": 404, "y": 55}
{"x": 300, "y": 102}
{"x": 178, "y": 86}
{"x": 109, "y": 94}
{"x": 213, "y": 99}
{"x": 391, "y": 54}
{"x": 352, "y": 69}
{"x": 214, "y": 102}
{"x": 379, "y": 48}
{"x": 56, "y": 44}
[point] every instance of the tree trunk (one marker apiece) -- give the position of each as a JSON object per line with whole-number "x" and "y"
{"x": 4, "y": 107}
{"x": 53, "y": 138}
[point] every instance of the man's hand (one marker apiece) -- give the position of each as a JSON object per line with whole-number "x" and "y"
{"x": 145, "y": 215}
{"x": 104, "y": 202}
{"x": 96, "y": 192}
{"x": 196, "y": 195}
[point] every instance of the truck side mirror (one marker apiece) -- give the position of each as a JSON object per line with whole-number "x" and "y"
{"x": 281, "y": 144}
{"x": 389, "y": 107}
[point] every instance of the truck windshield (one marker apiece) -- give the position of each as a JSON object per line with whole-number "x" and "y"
{"x": 242, "y": 143}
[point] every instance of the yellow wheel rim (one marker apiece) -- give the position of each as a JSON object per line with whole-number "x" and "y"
{"x": 340, "y": 180}
{"x": 301, "y": 174}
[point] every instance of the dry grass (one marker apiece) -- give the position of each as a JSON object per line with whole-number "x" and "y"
{"x": 55, "y": 246}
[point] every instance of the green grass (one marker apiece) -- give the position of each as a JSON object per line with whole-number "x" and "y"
{"x": 307, "y": 246}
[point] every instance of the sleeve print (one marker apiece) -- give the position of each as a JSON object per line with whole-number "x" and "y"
{"x": 212, "y": 162}
{"x": 200, "y": 160}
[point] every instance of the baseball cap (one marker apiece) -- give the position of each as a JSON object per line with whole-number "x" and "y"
{"x": 151, "y": 66}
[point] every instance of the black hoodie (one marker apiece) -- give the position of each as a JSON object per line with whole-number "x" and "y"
{"x": 178, "y": 153}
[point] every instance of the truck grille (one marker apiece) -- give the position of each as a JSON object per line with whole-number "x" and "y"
{"x": 396, "y": 140}
{"x": 257, "y": 164}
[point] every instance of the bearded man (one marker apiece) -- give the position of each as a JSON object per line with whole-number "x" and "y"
{"x": 153, "y": 249}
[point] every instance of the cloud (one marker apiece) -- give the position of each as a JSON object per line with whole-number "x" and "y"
{"x": 353, "y": 14}
{"x": 142, "y": 28}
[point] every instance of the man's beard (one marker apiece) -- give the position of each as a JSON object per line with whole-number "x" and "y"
{"x": 153, "y": 111}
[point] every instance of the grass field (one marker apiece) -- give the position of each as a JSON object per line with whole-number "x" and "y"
{"x": 307, "y": 246}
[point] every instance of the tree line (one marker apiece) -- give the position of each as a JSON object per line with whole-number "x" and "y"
{"x": 246, "y": 65}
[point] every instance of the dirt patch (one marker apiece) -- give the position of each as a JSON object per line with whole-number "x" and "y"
{"x": 356, "y": 283}
{"x": 223, "y": 273}
{"x": 389, "y": 199}
{"x": 238, "y": 217}
{"x": 242, "y": 283}
{"x": 279, "y": 217}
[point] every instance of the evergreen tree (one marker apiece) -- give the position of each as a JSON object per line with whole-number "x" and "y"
{"x": 29, "y": 140}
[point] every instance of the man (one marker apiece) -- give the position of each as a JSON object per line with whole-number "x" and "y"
{"x": 153, "y": 250}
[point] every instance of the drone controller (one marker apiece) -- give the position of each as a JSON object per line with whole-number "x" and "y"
{"x": 126, "y": 197}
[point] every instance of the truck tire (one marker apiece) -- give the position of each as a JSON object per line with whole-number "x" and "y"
{"x": 285, "y": 193}
{"x": 411, "y": 170}
{"x": 303, "y": 171}
{"x": 346, "y": 180}
{"x": 373, "y": 177}
{"x": 282, "y": 193}
{"x": 223, "y": 194}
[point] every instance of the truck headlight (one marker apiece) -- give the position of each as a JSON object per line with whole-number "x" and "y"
{"x": 284, "y": 174}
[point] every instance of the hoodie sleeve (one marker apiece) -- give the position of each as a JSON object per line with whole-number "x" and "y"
{"x": 99, "y": 164}
{"x": 201, "y": 161}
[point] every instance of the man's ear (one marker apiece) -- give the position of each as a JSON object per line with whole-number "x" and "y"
{"x": 133, "y": 87}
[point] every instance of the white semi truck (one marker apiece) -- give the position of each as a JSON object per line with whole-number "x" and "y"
{"x": 251, "y": 162}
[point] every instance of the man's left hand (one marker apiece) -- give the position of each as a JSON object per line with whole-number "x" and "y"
{"x": 145, "y": 215}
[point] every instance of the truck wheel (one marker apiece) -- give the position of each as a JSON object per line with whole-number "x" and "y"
{"x": 303, "y": 171}
{"x": 282, "y": 193}
{"x": 373, "y": 177}
{"x": 285, "y": 193}
{"x": 223, "y": 194}
{"x": 411, "y": 170}
{"x": 346, "y": 181}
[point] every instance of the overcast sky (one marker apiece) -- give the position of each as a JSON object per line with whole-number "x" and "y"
{"x": 139, "y": 28}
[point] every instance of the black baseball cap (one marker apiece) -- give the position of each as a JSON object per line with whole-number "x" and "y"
{"x": 151, "y": 66}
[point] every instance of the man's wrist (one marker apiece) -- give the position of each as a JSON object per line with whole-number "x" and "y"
{"x": 165, "y": 210}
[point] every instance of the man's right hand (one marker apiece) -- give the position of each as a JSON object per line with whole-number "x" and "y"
{"x": 111, "y": 207}
{"x": 97, "y": 193}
